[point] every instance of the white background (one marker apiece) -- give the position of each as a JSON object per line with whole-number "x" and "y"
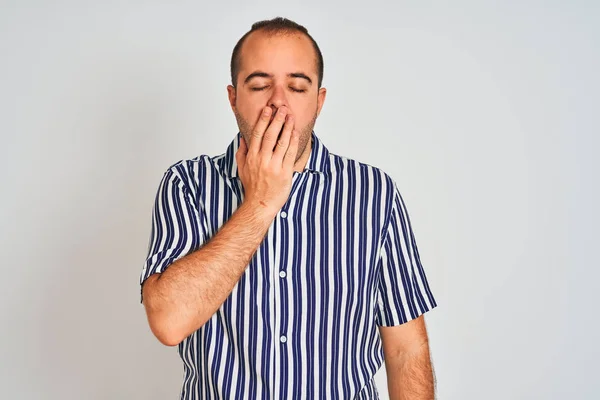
{"x": 485, "y": 113}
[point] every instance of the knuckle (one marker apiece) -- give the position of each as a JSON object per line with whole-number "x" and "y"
{"x": 256, "y": 134}
{"x": 264, "y": 163}
{"x": 251, "y": 161}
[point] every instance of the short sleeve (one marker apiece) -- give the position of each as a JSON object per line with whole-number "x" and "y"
{"x": 176, "y": 228}
{"x": 403, "y": 292}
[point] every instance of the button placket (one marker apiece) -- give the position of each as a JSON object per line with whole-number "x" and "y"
{"x": 273, "y": 267}
{"x": 284, "y": 289}
{"x": 283, "y": 283}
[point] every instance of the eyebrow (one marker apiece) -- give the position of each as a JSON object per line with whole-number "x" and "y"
{"x": 261, "y": 74}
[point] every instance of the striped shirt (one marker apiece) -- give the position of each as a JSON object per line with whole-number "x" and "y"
{"x": 339, "y": 260}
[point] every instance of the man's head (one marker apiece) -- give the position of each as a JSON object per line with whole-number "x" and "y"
{"x": 277, "y": 63}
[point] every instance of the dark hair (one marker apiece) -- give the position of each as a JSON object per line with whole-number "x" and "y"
{"x": 275, "y": 25}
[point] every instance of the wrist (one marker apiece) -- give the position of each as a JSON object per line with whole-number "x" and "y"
{"x": 259, "y": 211}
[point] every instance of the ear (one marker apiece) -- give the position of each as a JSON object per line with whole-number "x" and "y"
{"x": 321, "y": 99}
{"x": 231, "y": 93}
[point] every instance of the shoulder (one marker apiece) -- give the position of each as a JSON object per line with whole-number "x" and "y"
{"x": 354, "y": 171}
{"x": 375, "y": 187}
{"x": 193, "y": 173}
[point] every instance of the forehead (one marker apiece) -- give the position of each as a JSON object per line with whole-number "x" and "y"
{"x": 280, "y": 52}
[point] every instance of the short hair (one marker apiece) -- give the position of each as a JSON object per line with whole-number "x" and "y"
{"x": 274, "y": 26}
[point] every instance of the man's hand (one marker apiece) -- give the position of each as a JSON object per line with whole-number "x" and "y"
{"x": 266, "y": 166}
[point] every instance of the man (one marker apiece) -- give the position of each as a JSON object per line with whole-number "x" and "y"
{"x": 282, "y": 270}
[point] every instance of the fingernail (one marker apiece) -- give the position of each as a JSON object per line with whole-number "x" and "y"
{"x": 267, "y": 111}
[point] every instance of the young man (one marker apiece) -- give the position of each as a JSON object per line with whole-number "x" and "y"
{"x": 282, "y": 270}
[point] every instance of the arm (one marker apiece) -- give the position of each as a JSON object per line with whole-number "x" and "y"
{"x": 181, "y": 298}
{"x": 404, "y": 296}
{"x": 407, "y": 361}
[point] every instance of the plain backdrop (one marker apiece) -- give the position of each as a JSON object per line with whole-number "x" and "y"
{"x": 485, "y": 113}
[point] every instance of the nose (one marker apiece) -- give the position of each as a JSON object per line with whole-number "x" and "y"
{"x": 278, "y": 98}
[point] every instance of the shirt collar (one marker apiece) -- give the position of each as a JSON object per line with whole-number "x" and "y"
{"x": 318, "y": 160}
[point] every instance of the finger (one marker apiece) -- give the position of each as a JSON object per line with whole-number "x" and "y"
{"x": 259, "y": 130}
{"x": 283, "y": 142}
{"x": 240, "y": 155}
{"x": 273, "y": 131}
{"x": 290, "y": 155}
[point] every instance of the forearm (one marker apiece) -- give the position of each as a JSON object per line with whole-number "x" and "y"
{"x": 410, "y": 375}
{"x": 191, "y": 290}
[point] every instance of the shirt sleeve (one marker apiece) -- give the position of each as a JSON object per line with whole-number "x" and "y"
{"x": 403, "y": 292}
{"x": 176, "y": 228}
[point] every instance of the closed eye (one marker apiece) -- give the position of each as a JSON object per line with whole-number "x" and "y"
{"x": 258, "y": 89}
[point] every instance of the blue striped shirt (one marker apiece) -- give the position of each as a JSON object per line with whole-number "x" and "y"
{"x": 339, "y": 260}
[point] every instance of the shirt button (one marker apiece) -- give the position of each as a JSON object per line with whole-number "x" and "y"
{"x": 282, "y": 274}
{"x": 283, "y": 214}
{"x": 283, "y": 339}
